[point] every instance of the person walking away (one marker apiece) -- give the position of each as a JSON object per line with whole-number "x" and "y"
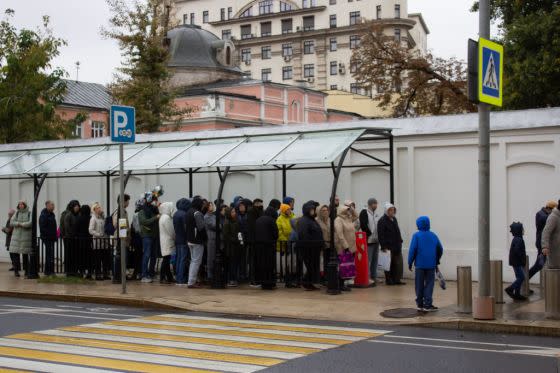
{"x": 540, "y": 221}
{"x": 344, "y": 235}
{"x": 71, "y": 244}
{"x": 7, "y": 229}
{"x": 148, "y": 219}
{"x": 180, "y": 226}
{"x": 368, "y": 224}
{"x": 310, "y": 243}
{"x": 324, "y": 221}
{"x": 255, "y": 212}
{"x": 233, "y": 240}
{"x": 551, "y": 239}
{"x": 21, "y": 236}
{"x": 85, "y": 243}
{"x": 100, "y": 242}
{"x": 390, "y": 239}
{"x": 266, "y": 235}
{"x": 167, "y": 241}
{"x": 424, "y": 254}
{"x": 196, "y": 236}
{"x": 517, "y": 260}
{"x": 47, "y": 229}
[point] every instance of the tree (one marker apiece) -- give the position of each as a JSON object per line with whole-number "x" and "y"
{"x": 407, "y": 81}
{"x": 30, "y": 88}
{"x": 141, "y": 28}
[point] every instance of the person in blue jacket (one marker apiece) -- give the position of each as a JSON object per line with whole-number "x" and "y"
{"x": 424, "y": 253}
{"x": 517, "y": 259}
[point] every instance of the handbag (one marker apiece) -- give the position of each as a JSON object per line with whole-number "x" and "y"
{"x": 347, "y": 266}
{"x": 384, "y": 261}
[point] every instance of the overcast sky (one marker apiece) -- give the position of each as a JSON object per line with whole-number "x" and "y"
{"x": 79, "y": 23}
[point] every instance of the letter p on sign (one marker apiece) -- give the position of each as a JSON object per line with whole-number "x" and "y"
{"x": 123, "y": 124}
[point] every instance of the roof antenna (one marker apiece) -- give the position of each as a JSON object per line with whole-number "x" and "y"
{"x": 77, "y": 69}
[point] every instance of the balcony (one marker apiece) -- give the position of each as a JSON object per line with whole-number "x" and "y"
{"x": 260, "y": 17}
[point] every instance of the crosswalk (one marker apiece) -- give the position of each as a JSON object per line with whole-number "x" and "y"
{"x": 171, "y": 343}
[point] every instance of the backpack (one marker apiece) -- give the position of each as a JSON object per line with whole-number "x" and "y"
{"x": 109, "y": 227}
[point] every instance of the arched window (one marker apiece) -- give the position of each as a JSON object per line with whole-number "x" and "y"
{"x": 294, "y": 112}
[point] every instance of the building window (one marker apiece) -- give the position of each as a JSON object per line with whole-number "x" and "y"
{"x": 229, "y": 13}
{"x": 185, "y": 18}
{"x": 309, "y": 3}
{"x": 332, "y": 2}
{"x": 78, "y": 130}
{"x": 309, "y": 47}
{"x": 266, "y": 53}
{"x": 287, "y": 73}
{"x": 332, "y": 44}
{"x": 353, "y": 67}
{"x": 398, "y": 35}
{"x": 354, "y": 41}
{"x": 308, "y": 70}
{"x": 266, "y": 28}
{"x": 354, "y": 88}
{"x": 308, "y": 23}
{"x": 192, "y": 18}
{"x": 354, "y": 18}
{"x": 332, "y": 19}
{"x": 397, "y": 11}
{"x": 287, "y": 26}
{"x": 246, "y": 32}
{"x": 226, "y": 34}
{"x": 334, "y": 87}
{"x": 378, "y": 12}
{"x": 334, "y": 68}
{"x": 285, "y": 7}
{"x": 205, "y": 16}
{"x": 247, "y": 13}
{"x": 97, "y": 129}
{"x": 265, "y": 7}
{"x": 287, "y": 50}
{"x": 266, "y": 75}
{"x": 222, "y": 14}
{"x": 246, "y": 55}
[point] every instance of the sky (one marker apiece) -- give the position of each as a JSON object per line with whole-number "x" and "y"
{"x": 79, "y": 23}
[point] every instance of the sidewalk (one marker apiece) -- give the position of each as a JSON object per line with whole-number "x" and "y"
{"x": 360, "y": 305}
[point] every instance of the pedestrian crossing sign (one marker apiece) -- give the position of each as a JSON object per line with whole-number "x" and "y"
{"x": 490, "y": 72}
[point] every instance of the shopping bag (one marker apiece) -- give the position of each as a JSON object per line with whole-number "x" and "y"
{"x": 384, "y": 261}
{"x": 347, "y": 265}
{"x": 441, "y": 280}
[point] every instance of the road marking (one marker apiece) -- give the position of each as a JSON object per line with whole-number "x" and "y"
{"x": 8, "y": 370}
{"x": 467, "y": 342}
{"x": 42, "y": 366}
{"x": 20, "y": 308}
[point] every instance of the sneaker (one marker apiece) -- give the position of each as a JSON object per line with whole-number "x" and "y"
{"x": 420, "y": 308}
{"x": 195, "y": 286}
{"x": 147, "y": 280}
{"x": 180, "y": 284}
{"x": 430, "y": 309}
{"x": 232, "y": 284}
{"x": 509, "y": 291}
{"x": 519, "y": 297}
{"x": 254, "y": 286}
{"x": 400, "y": 283}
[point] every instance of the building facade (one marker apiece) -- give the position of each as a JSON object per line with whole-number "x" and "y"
{"x": 306, "y": 40}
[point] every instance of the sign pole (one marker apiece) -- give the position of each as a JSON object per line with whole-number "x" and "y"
{"x": 121, "y": 216}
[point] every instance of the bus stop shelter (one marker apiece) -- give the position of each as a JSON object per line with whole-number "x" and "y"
{"x": 268, "y": 148}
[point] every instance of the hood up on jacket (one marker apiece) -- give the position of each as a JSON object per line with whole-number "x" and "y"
{"x": 388, "y": 206}
{"x": 85, "y": 210}
{"x": 72, "y": 204}
{"x": 343, "y": 212}
{"x": 167, "y": 208}
{"x": 423, "y": 223}
{"x": 307, "y": 208}
{"x": 183, "y": 204}
{"x": 272, "y": 212}
{"x": 275, "y": 204}
{"x": 516, "y": 229}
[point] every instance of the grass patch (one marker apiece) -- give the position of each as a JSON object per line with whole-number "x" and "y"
{"x": 65, "y": 280}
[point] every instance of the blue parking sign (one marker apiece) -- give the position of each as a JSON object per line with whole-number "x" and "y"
{"x": 123, "y": 124}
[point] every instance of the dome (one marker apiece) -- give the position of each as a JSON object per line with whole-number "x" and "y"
{"x": 190, "y": 46}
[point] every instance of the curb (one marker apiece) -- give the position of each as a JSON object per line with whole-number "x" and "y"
{"x": 493, "y": 327}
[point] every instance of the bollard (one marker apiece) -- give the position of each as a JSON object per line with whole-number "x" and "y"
{"x": 525, "y": 284}
{"x": 552, "y": 293}
{"x": 496, "y": 281}
{"x": 464, "y": 289}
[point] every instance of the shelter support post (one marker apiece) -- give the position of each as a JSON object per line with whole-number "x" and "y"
{"x": 219, "y": 275}
{"x": 108, "y": 191}
{"x": 33, "y": 264}
{"x": 333, "y": 284}
{"x": 191, "y": 192}
{"x": 392, "y": 168}
{"x": 284, "y": 185}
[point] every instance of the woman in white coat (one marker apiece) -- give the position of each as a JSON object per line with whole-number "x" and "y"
{"x": 100, "y": 242}
{"x": 167, "y": 241}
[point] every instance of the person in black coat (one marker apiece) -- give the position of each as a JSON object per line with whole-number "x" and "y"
{"x": 70, "y": 229}
{"x": 266, "y": 235}
{"x": 85, "y": 241}
{"x": 390, "y": 239}
{"x": 310, "y": 243}
{"x": 47, "y": 229}
{"x": 255, "y": 212}
{"x": 540, "y": 221}
{"x": 517, "y": 259}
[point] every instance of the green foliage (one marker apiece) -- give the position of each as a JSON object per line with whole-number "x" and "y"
{"x": 140, "y": 27}
{"x": 30, "y": 88}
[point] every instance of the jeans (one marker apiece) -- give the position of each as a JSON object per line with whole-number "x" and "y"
{"x": 49, "y": 257}
{"x": 148, "y": 262}
{"x": 182, "y": 253}
{"x": 424, "y": 282}
{"x": 373, "y": 256}
{"x": 197, "y": 251}
{"x": 539, "y": 264}
{"x": 519, "y": 278}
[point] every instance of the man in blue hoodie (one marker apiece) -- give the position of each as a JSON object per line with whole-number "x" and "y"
{"x": 180, "y": 225}
{"x": 425, "y": 253}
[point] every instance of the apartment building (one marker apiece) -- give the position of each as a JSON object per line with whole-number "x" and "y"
{"x": 306, "y": 40}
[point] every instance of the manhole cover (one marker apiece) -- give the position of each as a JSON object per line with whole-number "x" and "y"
{"x": 400, "y": 313}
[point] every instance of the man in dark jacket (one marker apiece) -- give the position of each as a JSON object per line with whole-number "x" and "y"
{"x": 540, "y": 222}
{"x": 255, "y": 212}
{"x": 196, "y": 237}
{"x": 148, "y": 219}
{"x": 391, "y": 240}
{"x": 243, "y": 207}
{"x": 180, "y": 226}
{"x": 368, "y": 224}
{"x": 47, "y": 229}
{"x": 266, "y": 235}
{"x": 71, "y": 238}
{"x": 310, "y": 243}
{"x": 517, "y": 259}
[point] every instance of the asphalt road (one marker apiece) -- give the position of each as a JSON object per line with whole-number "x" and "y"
{"x": 60, "y": 336}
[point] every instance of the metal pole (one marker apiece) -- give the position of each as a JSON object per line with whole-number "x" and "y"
{"x": 191, "y": 192}
{"x": 284, "y": 186}
{"x": 108, "y": 191}
{"x": 122, "y": 214}
{"x": 391, "y": 169}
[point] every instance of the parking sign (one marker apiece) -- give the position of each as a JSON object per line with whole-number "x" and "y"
{"x": 123, "y": 124}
